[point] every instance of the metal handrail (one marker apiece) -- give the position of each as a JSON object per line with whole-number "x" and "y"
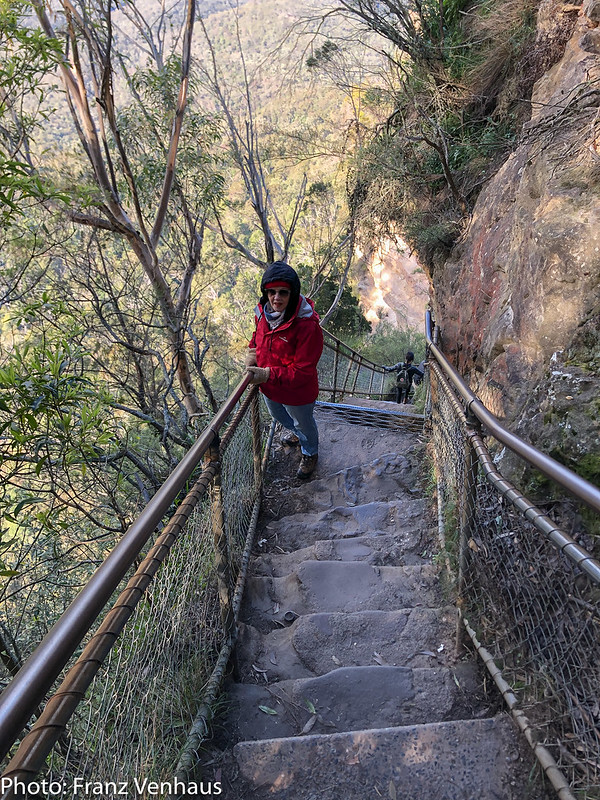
{"x": 354, "y": 360}
{"x": 563, "y": 476}
{"x": 333, "y": 343}
{"x": 27, "y": 689}
{"x": 561, "y": 540}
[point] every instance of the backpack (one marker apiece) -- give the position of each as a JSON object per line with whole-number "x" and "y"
{"x": 402, "y": 378}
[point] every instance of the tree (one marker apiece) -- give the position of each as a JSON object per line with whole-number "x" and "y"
{"x": 404, "y": 23}
{"x": 346, "y": 317}
{"x": 246, "y": 152}
{"x": 116, "y": 204}
{"x": 453, "y": 115}
{"x": 99, "y": 363}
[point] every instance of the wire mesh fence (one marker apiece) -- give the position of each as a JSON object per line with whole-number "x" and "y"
{"x": 141, "y": 704}
{"x": 135, "y": 717}
{"x": 531, "y": 606}
{"x": 370, "y": 417}
{"x": 46, "y": 572}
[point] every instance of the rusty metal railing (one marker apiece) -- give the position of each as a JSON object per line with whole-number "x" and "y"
{"x": 560, "y": 474}
{"x": 27, "y": 690}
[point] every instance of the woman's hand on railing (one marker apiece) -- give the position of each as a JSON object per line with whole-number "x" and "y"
{"x": 259, "y": 374}
{"x": 250, "y": 360}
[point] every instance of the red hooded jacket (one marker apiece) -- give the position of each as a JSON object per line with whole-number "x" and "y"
{"x": 292, "y": 351}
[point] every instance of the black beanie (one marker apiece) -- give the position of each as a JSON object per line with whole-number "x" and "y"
{"x": 278, "y": 271}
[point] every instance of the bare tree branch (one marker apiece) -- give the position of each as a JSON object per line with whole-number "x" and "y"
{"x": 325, "y": 319}
{"x": 246, "y": 151}
{"x": 177, "y": 123}
{"x": 232, "y": 242}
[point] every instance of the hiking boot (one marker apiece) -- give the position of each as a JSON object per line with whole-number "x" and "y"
{"x": 289, "y": 439}
{"x": 307, "y": 466}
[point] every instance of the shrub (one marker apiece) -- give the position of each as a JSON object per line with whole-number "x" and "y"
{"x": 388, "y": 345}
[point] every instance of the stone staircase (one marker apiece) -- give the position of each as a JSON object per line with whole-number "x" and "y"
{"x": 347, "y": 684}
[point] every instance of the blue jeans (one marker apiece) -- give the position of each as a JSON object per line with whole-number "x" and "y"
{"x": 300, "y": 420}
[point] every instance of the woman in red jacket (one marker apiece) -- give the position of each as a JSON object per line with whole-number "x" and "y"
{"x": 283, "y": 357}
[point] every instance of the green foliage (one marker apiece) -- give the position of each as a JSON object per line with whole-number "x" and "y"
{"x": 48, "y": 406}
{"x": 322, "y": 54}
{"x": 348, "y": 319}
{"x": 26, "y": 57}
{"x": 431, "y": 236}
{"x": 27, "y": 54}
{"x": 451, "y": 10}
{"x": 451, "y": 121}
{"x": 17, "y": 184}
{"x": 388, "y": 345}
{"x": 588, "y": 466}
{"x": 145, "y": 125}
{"x": 64, "y": 495}
{"x": 52, "y": 417}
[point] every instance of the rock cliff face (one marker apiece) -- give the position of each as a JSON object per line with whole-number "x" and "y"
{"x": 392, "y": 286}
{"x": 519, "y": 300}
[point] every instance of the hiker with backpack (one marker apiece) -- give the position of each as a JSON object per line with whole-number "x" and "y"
{"x": 407, "y": 372}
{"x": 282, "y": 357}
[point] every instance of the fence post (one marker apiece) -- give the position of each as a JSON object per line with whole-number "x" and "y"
{"x": 256, "y": 439}
{"x": 347, "y": 377}
{"x": 336, "y": 358}
{"x": 371, "y": 379}
{"x": 467, "y": 520}
{"x": 222, "y": 562}
{"x": 355, "y": 381}
{"x": 428, "y": 397}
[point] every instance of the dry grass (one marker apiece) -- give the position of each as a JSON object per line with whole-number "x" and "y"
{"x": 513, "y": 55}
{"x": 499, "y": 32}
{"x": 493, "y": 21}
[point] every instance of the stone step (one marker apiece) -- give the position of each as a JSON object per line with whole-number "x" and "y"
{"x": 351, "y": 698}
{"x": 318, "y": 643}
{"x": 376, "y": 548}
{"x": 339, "y": 586}
{"x": 385, "y": 478}
{"x": 459, "y": 760}
{"x": 405, "y": 518}
{"x": 344, "y": 443}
